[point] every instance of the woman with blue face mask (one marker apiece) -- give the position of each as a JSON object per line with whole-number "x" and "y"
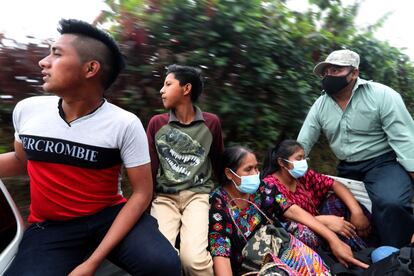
{"x": 233, "y": 220}
{"x": 286, "y": 168}
{"x": 239, "y": 179}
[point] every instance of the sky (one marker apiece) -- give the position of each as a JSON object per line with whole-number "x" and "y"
{"x": 397, "y": 30}
{"x": 19, "y": 18}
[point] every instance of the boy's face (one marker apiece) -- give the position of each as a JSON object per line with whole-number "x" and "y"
{"x": 172, "y": 93}
{"x": 62, "y": 68}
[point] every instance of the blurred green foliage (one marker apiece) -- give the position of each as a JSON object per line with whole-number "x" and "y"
{"x": 257, "y": 57}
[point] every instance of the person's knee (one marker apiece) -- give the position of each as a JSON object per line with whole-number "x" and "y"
{"x": 163, "y": 263}
{"x": 163, "y": 260}
{"x": 391, "y": 214}
{"x": 169, "y": 266}
{"x": 157, "y": 261}
{"x": 195, "y": 260}
{"x": 149, "y": 251}
{"x": 390, "y": 206}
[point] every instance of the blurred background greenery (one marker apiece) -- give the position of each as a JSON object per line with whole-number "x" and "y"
{"x": 257, "y": 57}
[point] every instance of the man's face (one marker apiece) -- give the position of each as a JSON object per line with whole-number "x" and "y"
{"x": 337, "y": 71}
{"x": 62, "y": 68}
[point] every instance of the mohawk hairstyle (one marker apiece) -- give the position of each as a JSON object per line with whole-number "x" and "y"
{"x": 116, "y": 63}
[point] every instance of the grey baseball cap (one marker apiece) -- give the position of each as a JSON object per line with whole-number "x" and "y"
{"x": 338, "y": 57}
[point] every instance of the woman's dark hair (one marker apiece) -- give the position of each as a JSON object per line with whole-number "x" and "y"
{"x": 187, "y": 74}
{"x": 232, "y": 158}
{"x": 283, "y": 150}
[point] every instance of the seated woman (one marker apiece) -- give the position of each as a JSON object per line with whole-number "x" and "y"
{"x": 240, "y": 179}
{"x": 286, "y": 168}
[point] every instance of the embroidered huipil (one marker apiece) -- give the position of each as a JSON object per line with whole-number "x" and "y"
{"x": 224, "y": 238}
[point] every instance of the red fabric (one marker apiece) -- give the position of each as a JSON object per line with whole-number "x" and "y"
{"x": 154, "y": 125}
{"x": 62, "y": 192}
{"x": 310, "y": 191}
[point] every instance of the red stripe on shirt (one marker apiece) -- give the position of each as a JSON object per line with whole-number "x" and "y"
{"x": 62, "y": 192}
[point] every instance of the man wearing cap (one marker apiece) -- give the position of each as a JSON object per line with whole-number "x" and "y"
{"x": 371, "y": 132}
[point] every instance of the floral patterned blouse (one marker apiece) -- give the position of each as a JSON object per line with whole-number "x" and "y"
{"x": 224, "y": 237}
{"x": 310, "y": 193}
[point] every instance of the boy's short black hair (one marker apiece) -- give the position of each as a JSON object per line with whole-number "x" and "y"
{"x": 188, "y": 74}
{"x": 89, "y": 46}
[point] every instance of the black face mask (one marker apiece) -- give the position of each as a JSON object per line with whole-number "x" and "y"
{"x": 333, "y": 84}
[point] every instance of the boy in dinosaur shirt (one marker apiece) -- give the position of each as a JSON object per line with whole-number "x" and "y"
{"x": 185, "y": 147}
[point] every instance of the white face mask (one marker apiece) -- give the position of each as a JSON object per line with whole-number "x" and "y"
{"x": 300, "y": 167}
{"x": 248, "y": 183}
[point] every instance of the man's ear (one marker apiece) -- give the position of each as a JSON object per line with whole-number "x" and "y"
{"x": 187, "y": 89}
{"x": 355, "y": 73}
{"x": 92, "y": 68}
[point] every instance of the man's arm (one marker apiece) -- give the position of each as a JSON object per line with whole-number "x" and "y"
{"x": 398, "y": 124}
{"x": 310, "y": 131}
{"x": 141, "y": 182}
{"x": 13, "y": 163}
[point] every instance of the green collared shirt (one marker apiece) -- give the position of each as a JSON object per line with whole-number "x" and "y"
{"x": 374, "y": 122}
{"x": 197, "y": 117}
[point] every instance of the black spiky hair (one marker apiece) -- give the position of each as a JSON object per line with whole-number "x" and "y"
{"x": 74, "y": 26}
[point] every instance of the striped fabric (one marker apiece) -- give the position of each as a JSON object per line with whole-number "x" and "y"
{"x": 303, "y": 259}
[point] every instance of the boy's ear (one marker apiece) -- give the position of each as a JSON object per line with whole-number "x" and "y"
{"x": 187, "y": 89}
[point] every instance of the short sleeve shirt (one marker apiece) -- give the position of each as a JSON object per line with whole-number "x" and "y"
{"x": 75, "y": 168}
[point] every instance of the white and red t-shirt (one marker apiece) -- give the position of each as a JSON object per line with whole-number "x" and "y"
{"x": 75, "y": 167}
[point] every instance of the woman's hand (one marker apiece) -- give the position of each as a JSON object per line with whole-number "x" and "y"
{"x": 340, "y": 226}
{"x": 358, "y": 218}
{"x": 362, "y": 224}
{"x": 344, "y": 254}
